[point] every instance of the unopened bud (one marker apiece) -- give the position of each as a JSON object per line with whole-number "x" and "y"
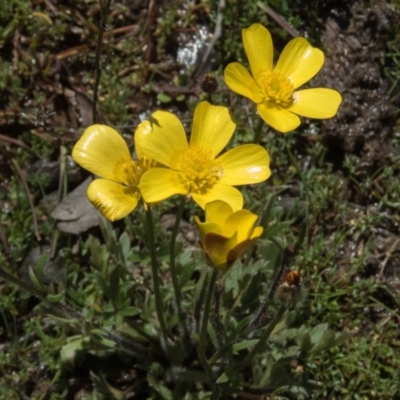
{"x": 291, "y": 289}
{"x": 209, "y": 84}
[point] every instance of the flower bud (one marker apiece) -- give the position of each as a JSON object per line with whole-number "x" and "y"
{"x": 291, "y": 289}
{"x": 209, "y": 84}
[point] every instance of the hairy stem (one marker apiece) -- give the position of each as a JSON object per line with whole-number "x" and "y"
{"x": 154, "y": 273}
{"x": 172, "y": 266}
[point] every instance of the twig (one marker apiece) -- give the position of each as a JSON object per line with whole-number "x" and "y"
{"x": 72, "y": 51}
{"x": 388, "y": 255}
{"x": 151, "y": 26}
{"x": 216, "y": 35}
{"x": 5, "y": 138}
{"x": 104, "y": 10}
{"x": 279, "y": 19}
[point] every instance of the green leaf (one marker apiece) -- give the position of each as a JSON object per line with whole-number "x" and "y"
{"x": 318, "y": 332}
{"x": 104, "y": 389}
{"x": 223, "y": 378}
{"x": 125, "y": 244}
{"x": 164, "y": 98}
{"x": 114, "y": 284}
{"x": 277, "y": 228}
{"x": 103, "y": 284}
{"x": 325, "y": 342}
{"x": 75, "y": 344}
{"x": 129, "y": 311}
{"x": 40, "y": 266}
{"x": 305, "y": 343}
{"x": 243, "y": 324}
{"x": 213, "y": 335}
{"x": 55, "y": 298}
{"x": 34, "y": 279}
{"x": 163, "y": 391}
{"x": 244, "y": 345}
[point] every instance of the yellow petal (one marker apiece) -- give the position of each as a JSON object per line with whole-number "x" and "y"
{"x": 226, "y": 193}
{"x": 239, "y": 249}
{"x": 206, "y": 227}
{"x": 158, "y": 184}
{"x": 218, "y": 211}
{"x": 299, "y": 61}
{"x": 245, "y": 164}
{"x": 217, "y": 248}
{"x": 258, "y": 230}
{"x": 238, "y": 79}
{"x": 243, "y": 222}
{"x": 101, "y": 150}
{"x": 259, "y": 49}
{"x": 212, "y": 127}
{"x": 140, "y": 135}
{"x": 114, "y": 201}
{"x": 279, "y": 118}
{"x": 165, "y": 140}
{"x": 316, "y": 103}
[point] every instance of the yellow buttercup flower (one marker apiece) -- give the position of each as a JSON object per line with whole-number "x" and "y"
{"x": 102, "y": 151}
{"x": 274, "y": 90}
{"x": 226, "y": 235}
{"x": 194, "y": 168}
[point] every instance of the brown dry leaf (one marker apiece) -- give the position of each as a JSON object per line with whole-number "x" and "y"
{"x": 76, "y": 214}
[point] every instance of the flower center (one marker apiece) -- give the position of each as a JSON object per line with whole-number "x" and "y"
{"x": 276, "y": 89}
{"x": 198, "y": 170}
{"x": 128, "y": 173}
{"x": 144, "y": 164}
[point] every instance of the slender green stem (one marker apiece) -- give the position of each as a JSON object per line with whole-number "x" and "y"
{"x": 207, "y": 306}
{"x": 29, "y": 288}
{"x": 198, "y": 298}
{"x": 172, "y": 265}
{"x": 154, "y": 272}
{"x": 204, "y": 362}
{"x": 219, "y": 329}
{"x": 261, "y": 313}
{"x": 204, "y": 323}
{"x": 258, "y": 130}
{"x": 260, "y": 344}
{"x": 218, "y": 326}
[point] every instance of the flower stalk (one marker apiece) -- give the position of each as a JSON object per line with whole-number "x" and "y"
{"x": 154, "y": 272}
{"x": 172, "y": 265}
{"x": 204, "y": 323}
{"x": 260, "y": 344}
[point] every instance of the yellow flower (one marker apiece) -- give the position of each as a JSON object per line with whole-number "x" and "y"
{"x": 226, "y": 235}
{"x": 274, "y": 89}
{"x": 194, "y": 168}
{"x": 102, "y": 151}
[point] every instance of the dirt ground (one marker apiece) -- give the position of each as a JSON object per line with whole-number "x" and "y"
{"x": 356, "y": 41}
